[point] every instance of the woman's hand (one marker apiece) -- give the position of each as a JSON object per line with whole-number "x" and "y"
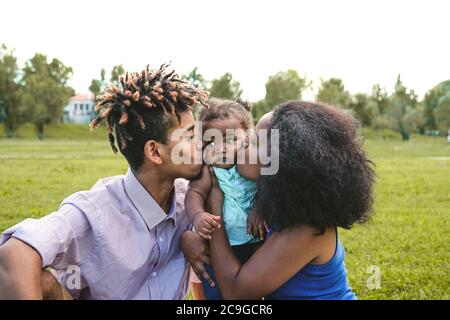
{"x": 256, "y": 225}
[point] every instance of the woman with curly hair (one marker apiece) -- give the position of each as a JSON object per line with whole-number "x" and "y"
{"x": 324, "y": 182}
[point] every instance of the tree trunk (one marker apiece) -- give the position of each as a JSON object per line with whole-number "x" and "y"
{"x": 40, "y": 130}
{"x": 10, "y": 130}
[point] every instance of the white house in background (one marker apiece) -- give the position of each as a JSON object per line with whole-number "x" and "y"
{"x": 80, "y": 109}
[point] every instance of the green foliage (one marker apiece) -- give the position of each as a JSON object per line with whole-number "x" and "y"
{"x": 403, "y": 103}
{"x": 364, "y": 108}
{"x": 432, "y": 100}
{"x": 116, "y": 72}
{"x": 97, "y": 86}
{"x": 285, "y": 86}
{"x": 442, "y": 115}
{"x": 332, "y": 92}
{"x": 281, "y": 87}
{"x": 46, "y": 91}
{"x": 11, "y": 109}
{"x": 196, "y": 78}
{"x": 225, "y": 87}
{"x": 60, "y": 131}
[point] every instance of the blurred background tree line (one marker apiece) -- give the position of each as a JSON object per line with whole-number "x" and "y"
{"x": 38, "y": 93}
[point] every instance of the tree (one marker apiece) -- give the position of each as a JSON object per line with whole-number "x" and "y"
{"x": 381, "y": 97}
{"x": 332, "y": 92}
{"x": 402, "y": 105}
{"x": 196, "y": 78}
{"x": 281, "y": 87}
{"x": 46, "y": 91}
{"x": 12, "y": 112}
{"x": 431, "y": 101}
{"x": 371, "y": 109}
{"x": 442, "y": 114}
{"x": 225, "y": 87}
{"x": 97, "y": 86}
{"x": 413, "y": 119}
{"x": 116, "y": 72}
{"x": 363, "y": 108}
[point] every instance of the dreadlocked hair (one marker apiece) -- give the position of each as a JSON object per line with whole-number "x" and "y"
{"x": 226, "y": 109}
{"x": 144, "y": 108}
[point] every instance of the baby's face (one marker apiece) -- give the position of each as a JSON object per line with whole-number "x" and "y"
{"x": 223, "y": 149}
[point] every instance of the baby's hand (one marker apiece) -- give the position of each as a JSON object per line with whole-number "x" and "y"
{"x": 256, "y": 226}
{"x": 205, "y": 223}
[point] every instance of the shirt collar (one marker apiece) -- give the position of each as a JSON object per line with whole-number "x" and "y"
{"x": 147, "y": 207}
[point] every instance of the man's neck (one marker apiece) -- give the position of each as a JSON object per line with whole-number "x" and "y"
{"x": 160, "y": 188}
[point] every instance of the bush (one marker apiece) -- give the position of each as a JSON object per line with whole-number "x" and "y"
{"x": 59, "y": 131}
{"x": 383, "y": 134}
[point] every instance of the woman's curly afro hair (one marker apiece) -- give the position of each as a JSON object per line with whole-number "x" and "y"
{"x": 325, "y": 178}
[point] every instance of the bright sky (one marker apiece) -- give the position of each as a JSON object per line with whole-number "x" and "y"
{"x": 362, "y": 42}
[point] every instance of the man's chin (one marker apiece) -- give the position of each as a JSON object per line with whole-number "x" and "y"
{"x": 193, "y": 174}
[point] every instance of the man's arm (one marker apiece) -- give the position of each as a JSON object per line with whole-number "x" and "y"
{"x": 21, "y": 276}
{"x": 20, "y": 271}
{"x": 57, "y": 240}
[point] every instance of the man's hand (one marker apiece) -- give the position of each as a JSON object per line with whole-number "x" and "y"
{"x": 205, "y": 223}
{"x": 256, "y": 225}
{"x": 197, "y": 253}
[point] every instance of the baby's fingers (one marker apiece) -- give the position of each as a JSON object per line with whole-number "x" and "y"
{"x": 212, "y": 222}
{"x": 204, "y": 235}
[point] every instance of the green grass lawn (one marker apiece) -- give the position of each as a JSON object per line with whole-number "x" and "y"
{"x": 408, "y": 237}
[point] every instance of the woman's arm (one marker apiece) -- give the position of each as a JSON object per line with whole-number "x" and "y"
{"x": 280, "y": 257}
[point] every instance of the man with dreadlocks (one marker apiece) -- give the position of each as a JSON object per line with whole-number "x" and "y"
{"x": 120, "y": 239}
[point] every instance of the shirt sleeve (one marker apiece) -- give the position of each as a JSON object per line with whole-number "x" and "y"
{"x": 62, "y": 238}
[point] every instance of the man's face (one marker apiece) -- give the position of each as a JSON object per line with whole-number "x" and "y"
{"x": 182, "y": 144}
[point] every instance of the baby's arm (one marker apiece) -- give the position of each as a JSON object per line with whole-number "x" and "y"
{"x": 204, "y": 222}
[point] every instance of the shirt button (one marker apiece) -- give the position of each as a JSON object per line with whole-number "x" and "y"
{"x": 154, "y": 274}
{"x": 161, "y": 239}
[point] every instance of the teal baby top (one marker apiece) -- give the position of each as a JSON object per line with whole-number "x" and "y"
{"x": 239, "y": 193}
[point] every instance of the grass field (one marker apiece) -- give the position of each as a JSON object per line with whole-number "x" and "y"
{"x": 408, "y": 237}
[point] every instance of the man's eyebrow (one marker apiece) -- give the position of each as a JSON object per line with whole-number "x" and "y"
{"x": 191, "y": 127}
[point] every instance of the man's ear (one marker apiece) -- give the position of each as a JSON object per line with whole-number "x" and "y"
{"x": 152, "y": 152}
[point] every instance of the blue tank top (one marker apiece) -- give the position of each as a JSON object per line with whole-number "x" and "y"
{"x": 326, "y": 281}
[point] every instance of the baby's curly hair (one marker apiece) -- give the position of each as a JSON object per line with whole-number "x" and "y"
{"x": 325, "y": 178}
{"x": 226, "y": 109}
{"x": 145, "y": 108}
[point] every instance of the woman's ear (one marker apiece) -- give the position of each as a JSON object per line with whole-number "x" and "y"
{"x": 152, "y": 152}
